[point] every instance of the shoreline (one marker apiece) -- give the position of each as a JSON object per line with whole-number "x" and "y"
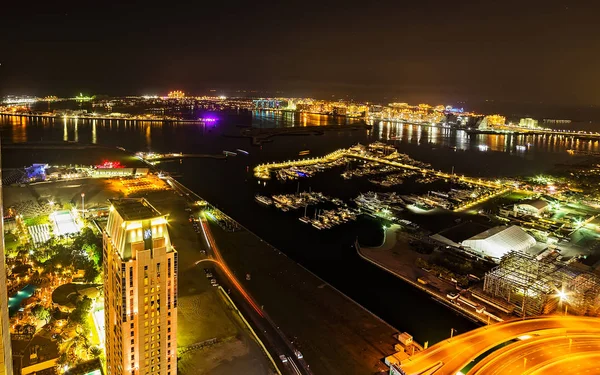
{"x": 356, "y": 331}
{"x": 285, "y": 255}
{"x": 438, "y": 297}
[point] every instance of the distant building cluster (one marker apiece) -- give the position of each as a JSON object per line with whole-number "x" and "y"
{"x": 493, "y": 121}
{"x": 44, "y": 172}
{"x": 528, "y": 122}
{"x": 177, "y": 94}
{"x": 169, "y": 107}
{"x": 335, "y": 108}
{"x": 396, "y": 112}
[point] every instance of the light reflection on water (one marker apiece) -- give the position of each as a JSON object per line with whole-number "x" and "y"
{"x": 150, "y": 134}
{"x": 450, "y": 138}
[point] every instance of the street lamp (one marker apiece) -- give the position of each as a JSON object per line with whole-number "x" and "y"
{"x": 562, "y": 296}
{"x": 83, "y": 204}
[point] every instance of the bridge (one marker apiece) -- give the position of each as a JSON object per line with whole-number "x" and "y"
{"x": 533, "y": 346}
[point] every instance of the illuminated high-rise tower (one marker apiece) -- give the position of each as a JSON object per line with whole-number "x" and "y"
{"x": 6, "y": 358}
{"x": 140, "y": 291}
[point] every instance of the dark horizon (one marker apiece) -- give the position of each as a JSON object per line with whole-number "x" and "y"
{"x": 514, "y": 55}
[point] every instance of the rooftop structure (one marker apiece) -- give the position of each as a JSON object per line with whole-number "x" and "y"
{"x": 498, "y": 241}
{"x": 134, "y": 209}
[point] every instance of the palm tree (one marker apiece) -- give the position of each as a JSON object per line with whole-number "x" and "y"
{"x": 95, "y": 351}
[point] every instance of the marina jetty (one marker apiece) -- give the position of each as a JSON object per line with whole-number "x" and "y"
{"x": 265, "y": 171}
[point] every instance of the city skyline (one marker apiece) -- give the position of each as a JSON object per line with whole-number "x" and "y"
{"x": 300, "y": 188}
{"x": 469, "y": 212}
{"x": 510, "y": 53}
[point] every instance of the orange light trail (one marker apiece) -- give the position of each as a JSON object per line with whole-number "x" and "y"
{"x": 225, "y": 269}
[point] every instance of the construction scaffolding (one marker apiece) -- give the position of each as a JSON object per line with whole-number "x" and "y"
{"x": 537, "y": 287}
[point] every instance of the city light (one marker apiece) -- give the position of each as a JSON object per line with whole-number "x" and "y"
{"x": 107, "y": 164}
{"x": 176, "y": 94}
{"x": 449, "y": 126}
{"x": 561, "y": 295}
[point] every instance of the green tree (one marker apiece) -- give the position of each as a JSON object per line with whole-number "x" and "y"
{"x": 91, "y": 273}
{"x": 79, "y": 314}
{"x": 41, "y": 313}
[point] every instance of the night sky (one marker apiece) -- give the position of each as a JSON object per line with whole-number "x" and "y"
{"x": 420, "y": 51}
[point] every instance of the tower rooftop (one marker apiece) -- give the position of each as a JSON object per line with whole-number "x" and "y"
{"x": 131, "y": 209}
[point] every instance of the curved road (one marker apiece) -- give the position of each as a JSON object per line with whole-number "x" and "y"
{"x": 578, "y": 364}
{"x": 537, "y": 352}
{"x": 452, "y": 355}
{"x": 263, "y": 324}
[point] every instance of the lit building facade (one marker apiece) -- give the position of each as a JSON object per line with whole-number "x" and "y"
{"x": 177, "y": 94}
{"x": 140, "y": 291}
{"x": 528, "y": 122}
{"x": 5, "y": 346}
{"x": 495, "y": 120}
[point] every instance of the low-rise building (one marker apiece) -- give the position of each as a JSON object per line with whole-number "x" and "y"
{"x": 533, "y": 207}
{"x": 498, "y": 241}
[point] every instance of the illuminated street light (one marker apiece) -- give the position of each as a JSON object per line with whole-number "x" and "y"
{"x": 561, "y": 295}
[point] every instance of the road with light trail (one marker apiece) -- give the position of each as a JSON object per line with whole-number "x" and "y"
{"x": 450, "y": 356}
{"x": 263, "y": 324}
{"x": 532, "y": 352}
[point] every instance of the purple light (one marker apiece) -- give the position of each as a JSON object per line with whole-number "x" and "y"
{"x": 208, "y": 119}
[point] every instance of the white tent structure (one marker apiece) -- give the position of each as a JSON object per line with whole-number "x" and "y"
{"x": 497, "y": 241}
